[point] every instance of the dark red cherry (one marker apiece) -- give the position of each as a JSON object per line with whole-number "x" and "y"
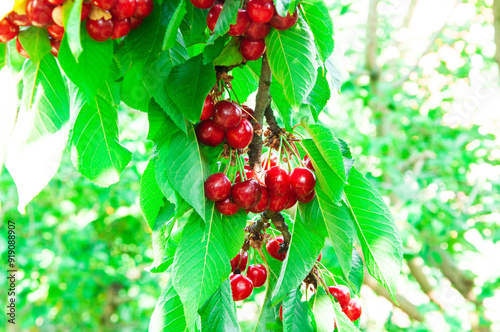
{"x": 341, "y": 293}
{"x": 266, "y": 163}
{"x": 247, "y": 112}
{"x": 227, "y": 207}
{"x": 353, "y": 310}
{"x": 57, "y": 16}
{"x": 260, "y": 12}
{"x": 143, "y": 8}
{"x": 8, "y": 31}
{"x": 104, "y": 4}
{"x": 250, "y": 174}
{"x": 243, "y": 263}
{"x": 227, "y": 115}
{"x": 217, "y": 187}
{"x": 55, "y": 31}
{"x": 308, "y": 163}
{"x": 18, "y": 19}
{"x": 39, "y": 13}
{"x": 56, "y": 2}
{"x": 121, "y": 28}
{"x": 208, "y": 108}
{"x": 100, "y": 30}
{"x": 209, "y": 133}
{"x": 213, "y": 16}
{"x": 246, "y": 194}
{"x": 264, "y": 202}
{"x": 135, "y": 22}
{"x": 284, "y": 23}
{"x": 278, "y": 203}
{"x": 20, "y": 49}
{"x": 258, "y": 31}
{"x": 55, "y": 44}
{"x": 242, "y": 23}
{"x": 277, "y": 181}
{"x": 306, "y": 199}
{"x": 252, "y": 49}
{"x": 291, "y": 201}
{"x": 123, "y": 9}
{"x": 241, "y": 287}
{"x": 86, "y": 8}
{"x": 203, "y": 4}
{"x": 240, "y": 136}
{"x": 272, "y": 247}
{"x": 257, "y": 274}
{"x": 302, "y": 181}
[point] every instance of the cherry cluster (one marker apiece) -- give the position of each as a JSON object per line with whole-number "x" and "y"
{"x": 242, "y": 286}
{"x": 104, "y": 19}
{"x": 350, "y": 306}
{"x": 253, "y": 24}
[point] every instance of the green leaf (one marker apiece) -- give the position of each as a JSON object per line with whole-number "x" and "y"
{"x": 165, "y": 241}
{"x": 343, "y": 323}
{"x": 226, "y": 18}
{"x": 377, "y": 232}
{"x": 168, "y": 314}
{"x": 357, "y": 272}
{"x": 150, "y": 195}
{"x": 292, "y": 58}
{"x": 212, "y": 51}
{"x": 285, "y": 110}
{"x": 189, "y": 84}
{"x": 3, "y": 54}
{"x": 319, "y": 95}
{"x": 194, "y": 26}
{"x": 97, "y": 153}
{"x": 246, "y": 80}
{"x": 297, "y": 316}
{"x": 177, "y": 9}
{"x": 134, "y": 93}
{"x": 322, "y": 308}
{"x": 317, "y": 16}
{"x": 234, "y": 227}
{"x": 72, "y": 22}
{"x": 36, "y": 42}
{"x": 161, "y": 127}
{"x": 283, "y": 7}
{"x": 219, "y": 312}
{"x": 230, "y": 55}
{"x": 93, "y": 65}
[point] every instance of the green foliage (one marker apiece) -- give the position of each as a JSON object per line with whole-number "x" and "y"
{"x": 219, "y": 312}
{"x": 71, "y": 18}
{"x": 297, "y": 315}
{"x": 36, "y": 42}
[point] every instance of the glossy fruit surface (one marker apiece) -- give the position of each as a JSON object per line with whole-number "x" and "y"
{"x": 308, "y": 163}
{"x": 246, "y": 194}
{"x": 281, "y": 312}
{"x": 247, "y": 112}
{"x": 135, "y": 22}
{"x": 341, "y": 293}
{"x": 242, "y": 23}
{"x": 260, "y": 12}
{"x": 213, "y": 16}
{"x": 241, "y": 287}
{"x": 20, "y": 49}
{"x": 243, "y": 263}
{"x": 57, "y": 16}
{"x": 272, "y": 247}
{"x": 208, "y": 108}
{"x": 284, "y": 23}
{"x": 258, "y": 30}
{"x": 100, "y": 30}
{"x": 217, "y": 187}
{"x": 143, "y": 8}
{"x": 353, "y": 310}
{"x": 291, "y": 201}
{"x": 306, "y": 199}
{"x": 39, "y": 12}
{"x": 104, "y": 4}
{"x": 55, "y": 31}
{"x": 56, "y": 2}
{"x": 249, "y": 173}
{"x": 257, "y": 274}
{"x": 227, "y": 207}
{"x": 8, "y": 31}
{"x": 86, "y": 8}
{"x": 203, "y": 4}
{"x": 264, "y": 202}
{"x": 209, "y": 133}
{"x": 278, "y": 203}
{"x": 240, "y": 136}
{"x": 252, "y": 49}
{"x": 123, "y": 9}
{"x": 121, "y": 28}
{"x": 18, "y": 19}
{"x": 277, "y": 181}
{"x": 302, "y": 181}
{"x": 55, "y": 44}
{"x": 227, "y": 115}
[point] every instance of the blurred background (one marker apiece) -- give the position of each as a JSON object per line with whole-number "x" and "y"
{"x": 420, "y": 109}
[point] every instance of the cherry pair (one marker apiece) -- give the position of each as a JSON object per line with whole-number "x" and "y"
{"x": 242, "y": 286}
{"x": 273, "y": 246}
{"x": 351, "y": 307}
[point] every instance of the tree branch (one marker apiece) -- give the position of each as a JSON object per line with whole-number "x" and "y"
{"x": 271, "y": 121}
{"x": 280, "y": 224}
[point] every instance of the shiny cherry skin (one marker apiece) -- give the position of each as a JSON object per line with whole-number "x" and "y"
{"x": 135, "y": 22}
{"x": 257, "y": 274}
{"x": 55, "y": 44}
{"x": 227, "y": 207}
{"x": 284, "y": 23}
{"x": 250, "y": 174}
{"x": 258, "y": 30}
{"x": 277, "y": 181}
{"x": 39, "y": 13}
{"x": 247, "y": 112}
{"x": 20, "y": 49}
{"x": 278, "y": 203}
{"x": 18, "y": 19}
{"x": 8, "y": 31}
{"x": 123, "y": 9}
{"x": 144, "y": 8}
{"x": 252, "y": 49}
{"x": 264, "y": 202}
{"x": 203, "y": 4}
{"x": 308, "y": 163}
{"x": 341, "y": 293}
{"x": 353, "y": 310}
{"x": 55, "y": 31}
{"x": 56, "y": 2}
{"x": 240, "y": 136}
{"x": 86, "y": 8}
{"x": 306, "y": 199}
{"x": 281, "y": 312}
{"x": 260, "y": 12}
{"x": 272, "y": 247}
{"x": 213, "y": 16}
{"x": 99, "y": 30}
{"x": 291, "y": 201}
{"x": 121, "y": 28}
{"x": 246, "y": 194}
{"x": 217, "y": 187}
{"x": 241, "y": 287}
{"x": 302, "y": 181}
{"x": 208, "y": 108}
{"x": 242, "y": 23}
{"x": 243, "y": 263}
{"x": 57, "y": 16}
{"x": 104, "y": 4}
{"x": 266, "y": 164}
{"x": 209, "y": 133}
{"x": 227, "y": 115}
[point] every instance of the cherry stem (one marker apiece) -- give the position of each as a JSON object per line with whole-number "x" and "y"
{"x": 281, "y": 142}
{"x": 268, "y": 162}
{"x": 331, "y": 274}
{"x": 241, "y": 167}
{"x": 295, "y": 153}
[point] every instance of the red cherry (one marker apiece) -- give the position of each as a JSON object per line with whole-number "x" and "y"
{"x": 353, "y": 310}
{"x": 302, "y": 181}
{"x": 250, "y": 174}
{"x": 258, "y": 31}
{"x": 277, "y": 181}
{"x": 308, "y": 163}
{"x": 121, "y": 28}
{"x": 319, "y": 258}
{"x": 284, "y": 23}
{"x": 247, "y": 112}
{"x": 227, "y": 207}
{"x": 246, "y": 194}
{"x": 291, "y": 201}
{"x": 135, "y": 22}
{"x": 57, "y": 16}
{"x": 20, "y": 49}
{"x": 257, "y": 274}
{"x": 272, "y": 247}
{"x": 281, "y": 312}
{"x": 242, "y": 23}
{"x": 217, "y": 187}
{"x": 123, "y": 9}
{"x": 227, "y": 115}
{"x": 19, "y": 20}
{"x": 55, "y": 44}
{"x": 260, "y": 12}
{"x": 144, "y": 8}
{"x": 55, "y": 31}
{"x": 243, "y": 263}
{"x": 213, "y": 16}
{"x": 104, "y": 4}
{"x": 86, "y": 8}
{"x": 8, "y": 31}
{"x": 278, "y": 203}
{"x": 240, "y": 136}
{"x": 341, "y": 293}
{"x": 208, "y": 108}
{"x": 100, "y": 30}
{"x": 306, "y": 199}
{"x": 203, "y": 4}
{"x": 252, "y": 49}
{"x": 209, "y": 133}
{"x": 266, "y": 164}
{"x": 39, "y": 12}
{"x": 264, "y": 202}
{"x": 56, "y": 2}
{"x": 241, "y": 287}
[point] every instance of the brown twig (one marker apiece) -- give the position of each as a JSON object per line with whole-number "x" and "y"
{"x": 271, "y": 121}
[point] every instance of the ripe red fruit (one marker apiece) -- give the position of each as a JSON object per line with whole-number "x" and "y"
{"x": 100, "y": 30}
{"x": 341, "y": 293}
{"x": 246, "y": 194}
{"x": 277, "y": 181}
{"x": 208, "y": 108}
{"x": 227, "y": 207}
{"x": 203, "y": 4}
{"x": 319, "y": 258}
{"x": 20, "y": 49}
{"x": 104, "y": 4}
{"x": 308, "y": 163}
{"x": 56, "y": 2}
{"x": 257, "y": 274}
{"x": 135, "y": 22}
{"x": 249, "y": 173}
{"x": 353, "y": 310}
{"x": 86, "y": 8}
{"x": 240, "y": 136}
{"x": 217, "y": 187}
{"x": 264, "y": 202}
{"x": 123, "y": 9}
{"x": 258, "y": 31}
{"x": 247, "y": 112}
{"x": 143, "y": 8}
{"x": 291, "y": 201}
{"x": 121, "y": 28}
{"x": 213, "y": 16}
{"x": 272, "y": 247}
{"x": 8, "y": 31}
{"x": 241, "y": 287}
{"x": 273, "y": 162}
{"x": 252, "y": 49}
{"x": 284, "y": 23}
{"x": 55, "y": 44}
{"x": 281, "y": 312}
{"x": 227, "y": 115}
{"x": 306, "y": 199}
{"x": 260, "y": 12}
{"x": 278, "y": 203}
{"x": 242, "y": 23}
{"x": 55, "y": 31}
{"x": 302, "y": 181}
{"x": 19, "y": 20}
{"x": 243, "y": 263}
{"x": 209, "y": 133}
{"x": 39, "y": 12}
{"x": 57, "y": 16}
